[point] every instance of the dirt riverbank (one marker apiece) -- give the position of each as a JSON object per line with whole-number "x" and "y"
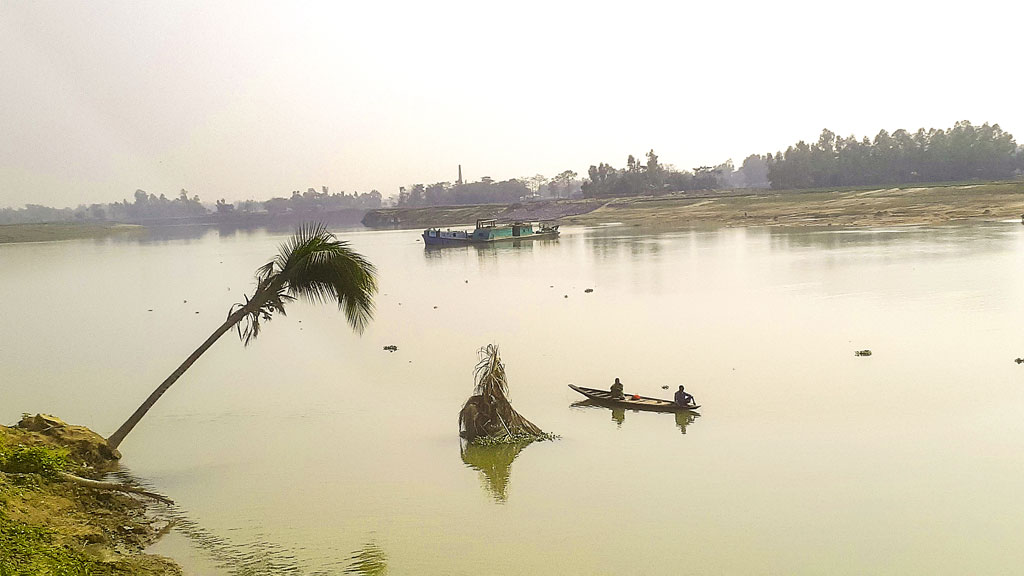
{"x": 10, "y": 233}
{"x": 848, "y": 207}
{"x": 50, "y": 525}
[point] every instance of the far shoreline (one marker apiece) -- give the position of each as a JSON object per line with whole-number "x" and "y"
{"x": 58, "y": 231}
{"x": 906, "y": 205}
{"x": 861, "y": 207}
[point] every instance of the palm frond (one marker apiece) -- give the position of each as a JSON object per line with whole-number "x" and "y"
{"x": 315, "y": 266}
{"x": 249, "y": 326}
{"x": 489, "y": 373}
{"x": 318, "y": 267}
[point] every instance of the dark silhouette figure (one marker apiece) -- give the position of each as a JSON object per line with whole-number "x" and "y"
{"x": 684, "y": 399}
{"x": 616, "y": 389}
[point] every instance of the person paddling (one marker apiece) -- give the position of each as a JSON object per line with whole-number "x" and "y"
{"x": 684, "y": 399}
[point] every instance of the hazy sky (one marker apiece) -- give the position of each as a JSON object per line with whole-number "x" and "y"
{"x": 251, "y": 100}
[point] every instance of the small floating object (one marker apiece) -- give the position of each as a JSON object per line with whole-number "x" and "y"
{"x": 862, "y": 353}
{"x": 435, "y": 307}
{"x": 665, "y": 387}
{"x": 1019, "y": 360}
{"x": 566, "y": 296}
{"x": 588, "y": 290}
{"x": 391, "y": 348}
{"x": 197, "y": 311}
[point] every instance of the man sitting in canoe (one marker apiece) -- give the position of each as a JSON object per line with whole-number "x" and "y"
{"x": 684, "y": 399}
{"x": 617, "y": 390}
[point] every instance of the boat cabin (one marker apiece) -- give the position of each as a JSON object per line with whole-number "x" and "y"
{"x": 448, "y": 234}
{"x": 489, "y": 230}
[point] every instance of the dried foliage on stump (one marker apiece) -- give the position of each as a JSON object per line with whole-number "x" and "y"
{"x": 488, "y": 417}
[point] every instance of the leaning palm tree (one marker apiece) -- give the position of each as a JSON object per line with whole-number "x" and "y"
{"x": 312, "y": 265}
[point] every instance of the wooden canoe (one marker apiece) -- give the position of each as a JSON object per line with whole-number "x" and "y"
{"x": 641, "y": 403}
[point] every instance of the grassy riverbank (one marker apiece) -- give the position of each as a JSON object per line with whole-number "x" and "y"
{"x": 930, "y": 204}
{"x": 10, "y": 233}
{"x": 52, "y": 526}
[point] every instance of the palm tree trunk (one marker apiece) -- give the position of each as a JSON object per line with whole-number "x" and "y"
{"x": 117, "y": 437}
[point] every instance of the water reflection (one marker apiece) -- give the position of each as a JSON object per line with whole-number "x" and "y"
{"x": 494, "y": 464}
{"x": 256, "y": 557}
{"x": 438, "y": 254}
{"x": 370, "y": 560}
{"x": 683, "y": 419}
{"x": 917, "y": 240}
{"x": 159, "y": 234}
{"x": 619, "y": 416}
{"x": 155, "y": 234}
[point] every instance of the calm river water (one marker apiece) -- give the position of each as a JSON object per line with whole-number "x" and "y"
{"x": 314, "y": 446}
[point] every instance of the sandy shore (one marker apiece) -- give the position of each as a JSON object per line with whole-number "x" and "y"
{"x": 859, "y": 207}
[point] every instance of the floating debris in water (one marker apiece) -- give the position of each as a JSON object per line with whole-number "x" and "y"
{"x": 1019, "y": 360}
{"x": 487, "y": 417}
{"x": 588, "y": 290}
{"x": 862, "y": 353}
{"x": 391, "y": 348}
{"x": 566, "y": 296}
{"x": 197, "y": 311}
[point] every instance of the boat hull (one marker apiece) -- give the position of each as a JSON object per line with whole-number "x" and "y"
{"x": 446, "y": 241}
{"x": 642, "y": 403}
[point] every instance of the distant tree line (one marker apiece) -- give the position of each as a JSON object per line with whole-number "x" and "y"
{"x": 147, "y": 207}
{"x": 144, "y": 206}
{"x": 312, "y": 202}
{"x": 963, "y": 152}
{"x": 653, "y": 177}
{"x": 486, "y": 191}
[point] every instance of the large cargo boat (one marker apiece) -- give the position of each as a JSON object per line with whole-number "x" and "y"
{"x": 487, "y": 231}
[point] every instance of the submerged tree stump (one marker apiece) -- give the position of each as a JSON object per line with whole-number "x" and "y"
{"x": 488, "y": 416}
